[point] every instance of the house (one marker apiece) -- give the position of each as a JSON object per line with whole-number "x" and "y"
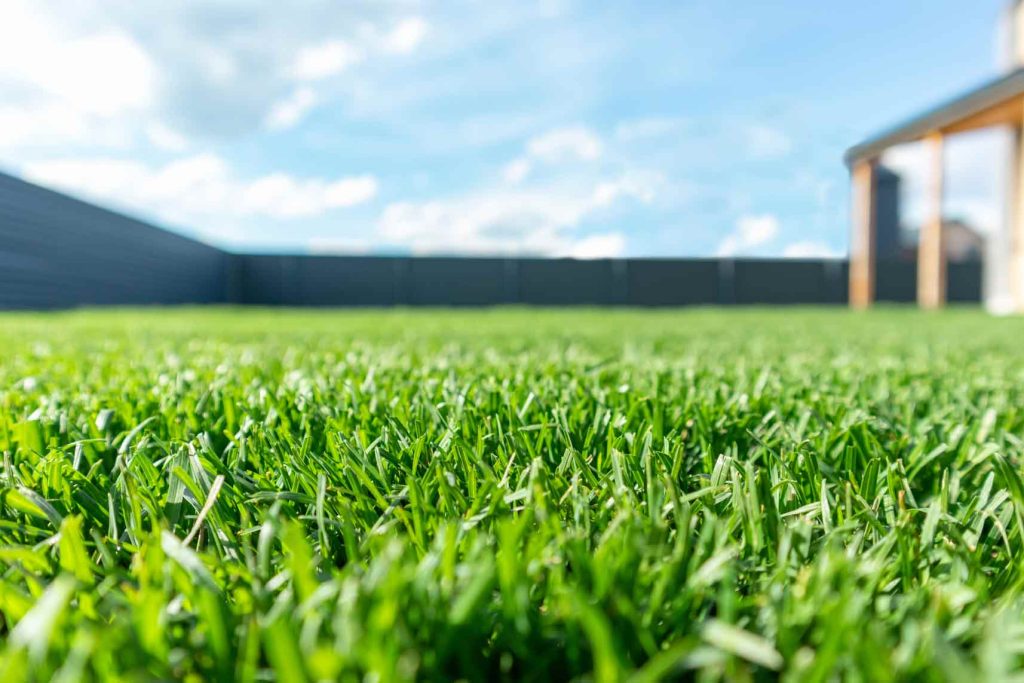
{"x": 999, "y": 102}
{"x": 961, "y": 242}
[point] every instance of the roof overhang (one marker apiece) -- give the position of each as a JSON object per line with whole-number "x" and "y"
{"x": 997, "y": 102}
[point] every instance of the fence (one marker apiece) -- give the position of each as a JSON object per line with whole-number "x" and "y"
{"x": 58, "y": 252}
{"x": 428, "y": 281}
{"x": 424, "y": 281}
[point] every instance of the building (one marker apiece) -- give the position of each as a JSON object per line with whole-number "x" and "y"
{"x": 961, "y": 242}
{"x": 999, "y": 102}
{"x": 893, "y": 242}
{"x": 888, "y": 221}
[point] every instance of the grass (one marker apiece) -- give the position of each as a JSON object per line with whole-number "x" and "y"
{"x": 804, "y": 494}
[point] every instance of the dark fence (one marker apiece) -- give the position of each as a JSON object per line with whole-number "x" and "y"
{"x": 427, "y": 281}
{"x": 59, "y": 252}
{"x": 896, "y": 281}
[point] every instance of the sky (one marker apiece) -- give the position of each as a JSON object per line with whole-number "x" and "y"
{"x": 577, "y": 128}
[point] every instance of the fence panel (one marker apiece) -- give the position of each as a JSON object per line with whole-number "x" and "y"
{"x": 460, "y": 282}
{"x": 566, "y": 282}
{"x": 896, "y": 281}
{"x": 71, "y": 253}
{"x": 672, "y": 282}
{"x": 787, "y": 281}
{"x": 964, "y": 282}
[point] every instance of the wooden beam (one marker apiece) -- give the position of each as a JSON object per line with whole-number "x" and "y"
{"x": 1016, "y": 233}
{"x": 1008, "y": 112}
{"x": 931, "y": 252}
{"x": 862, "y": 237}
{"x": 980, "y": 107}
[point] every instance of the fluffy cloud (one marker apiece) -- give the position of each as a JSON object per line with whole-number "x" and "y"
{"x": 165, "y": 138}
{"x": 54, "y": 123}
{"x": 291, "y": 110}
{"x": 639, "y": 185}
{"x": 199, "y": 188}
{"x": 561, "y": 145}
{"x": 58, "y": 85}
{"x": 751, "y": 232}
{"x": 406, "y": 36}
{"x": 538, "y": 221}
{"x": 609, "y": 245}
{"x": 101, "y": 73}
{"x": 516, "y": 170}
{"x": 809, "y": 249}
{"x": 282, "y": 196}
{"x": 315, "y": 62}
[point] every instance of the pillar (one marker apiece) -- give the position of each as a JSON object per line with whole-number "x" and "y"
{"x": 997, "y": 289}
{"x": 1015, "y": 257}
{"x": 931, "y": 252}
{"x": 862, "y": 238}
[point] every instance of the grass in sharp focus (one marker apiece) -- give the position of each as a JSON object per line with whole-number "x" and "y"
{"x": 518, "y": 494}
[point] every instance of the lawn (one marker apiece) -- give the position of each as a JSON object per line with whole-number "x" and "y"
{"x": 513, "y": 494}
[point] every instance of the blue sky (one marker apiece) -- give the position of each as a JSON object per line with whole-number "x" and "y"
{"x": 556, "y": 127}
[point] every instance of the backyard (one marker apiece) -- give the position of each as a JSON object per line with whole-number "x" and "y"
{"x": 515, "y": 494}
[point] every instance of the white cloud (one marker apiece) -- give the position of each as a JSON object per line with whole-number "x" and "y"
{"x": 51, "y": 123}
{"x": 809, "y": 249}
{"x": 59, "y": 85}
{"x": 516, "y": 170}
{"x": 755, "y": 230}
{"x": 165, "y": 138}
{"x": 751, "y": 232}
{"x": 538, "y": 221}
{"x": 201, "y": 187}
{"x": 315, "y": 62}
{"x": 281, "y": 196}
{"x": 767, "y": 142}
{"x": 289, "y": 111}
{"x": 609, "y": 245}
{"x": 102, "y": 74}
{"x": 560, "y": 145}
{"x": 566, "y": 144}
{"x": 406, "y": 36}
{"x": 638, "y": 185}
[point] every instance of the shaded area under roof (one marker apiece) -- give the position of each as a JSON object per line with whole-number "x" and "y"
{"x": 997, "y": 102}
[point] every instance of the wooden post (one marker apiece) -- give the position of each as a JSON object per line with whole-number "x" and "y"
{"x": 931, "y": 252}
{"x": 862, "y": 238}
{"x": 997, "y": 286}
{"x": 1015, "y": 257}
